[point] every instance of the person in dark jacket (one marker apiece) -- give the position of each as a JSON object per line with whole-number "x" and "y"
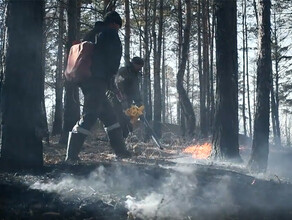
{"x": 93, "y": 35}
{"x": 127, "y": 83}
{"x": 105, "y": 64}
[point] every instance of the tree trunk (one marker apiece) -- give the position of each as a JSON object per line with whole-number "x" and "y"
{"x": 58, "y": 117}
{"x": 146, "y": 75}
{"x": 260, "y": 146}
{"x": 247, "y": 81}
{"x": 2, "y": 47}
{"x": 255, "y": 11}
{"x": 127, "y": 32}
{"x": 186, "y": 106}
{"x": 180, "y": 119}
{"x": 212, "y": 104}
{"x": 71, "y": 100}
{"x": 200, "y": 70}
{"x": 205, "y": 74}
{"x": 225, "y": 136}
{"x": 22, "y": 88}
{"x": 163, "y": 84}
{"x": 243, "y": 65}
{"x": 274, "y": 92}
{"x": 157, "y": 80}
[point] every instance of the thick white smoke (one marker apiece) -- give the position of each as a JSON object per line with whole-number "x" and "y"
{"x": 147, "y": 193}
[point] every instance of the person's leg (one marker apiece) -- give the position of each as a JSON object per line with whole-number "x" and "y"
{"x": 123, "y": 119}
{"x": 92, "y": 105}
{"x": 113, "y": 130}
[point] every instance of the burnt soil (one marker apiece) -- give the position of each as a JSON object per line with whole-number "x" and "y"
{"x": 152, "y": 185}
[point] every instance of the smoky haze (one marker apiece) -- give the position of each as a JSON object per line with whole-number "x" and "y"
{"x": 177, "y": 192}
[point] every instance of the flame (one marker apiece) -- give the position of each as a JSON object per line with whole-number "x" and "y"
{"x": 199, "y": 151}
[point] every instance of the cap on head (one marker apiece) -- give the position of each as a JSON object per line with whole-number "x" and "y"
{"x": 138, "y": 61}
{"x": 98, "y": 26}
{"x": 113, "y": 17}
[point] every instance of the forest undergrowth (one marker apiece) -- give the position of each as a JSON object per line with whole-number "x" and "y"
{"x": 153, "y": 184}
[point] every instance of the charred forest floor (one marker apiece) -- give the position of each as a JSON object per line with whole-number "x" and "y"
{"x": 154, "y": 184}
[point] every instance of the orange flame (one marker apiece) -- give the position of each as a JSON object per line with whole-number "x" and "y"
{"x": 199, "y": 151}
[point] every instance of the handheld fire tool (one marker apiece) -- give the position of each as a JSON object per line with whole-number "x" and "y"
{"x": 135, "y": 112}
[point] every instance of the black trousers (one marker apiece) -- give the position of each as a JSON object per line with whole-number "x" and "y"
{"x": 96, "y": 106}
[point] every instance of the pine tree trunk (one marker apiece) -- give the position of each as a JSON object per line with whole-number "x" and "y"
{"x": 71, "y": 100}
{"x": 247, "y": 81}
{"x": 205, "y": 74}
{"x": 22, "y": 88}
{"x": 163, "y": 84}
{"x": 58, "y": 117}
{"x": 260, "y": 146}
{"x": 200, "y": 70}
{"x": 186, "y": 106}
{"x": 146, "y": 75}
{"x": 127, "y": 32}
{"x": 225, "y": 136}
{"x": 212, "y": 104}
{"x": 243, "y": 65}
{"x": 2, "y": 46}
{"x": 274, "y": 93}
{"x": 157, "y": 80}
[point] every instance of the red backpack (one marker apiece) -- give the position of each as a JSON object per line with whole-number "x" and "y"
{"x": 79, "y": 62}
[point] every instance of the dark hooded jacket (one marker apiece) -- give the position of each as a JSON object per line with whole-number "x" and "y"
{"x": 107, "y": 55}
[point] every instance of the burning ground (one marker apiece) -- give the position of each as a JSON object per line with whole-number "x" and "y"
{"x": 152, "y": 185}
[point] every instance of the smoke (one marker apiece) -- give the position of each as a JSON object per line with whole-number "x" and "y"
{"x": 148, "y": 192}
{"x": 180, "y": 196}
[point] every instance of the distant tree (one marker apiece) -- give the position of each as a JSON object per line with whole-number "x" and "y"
{"x": 204, "y": 82}
{"x": 225, "y": 134}
{"x": 146, "y": 82}
{"x": 281, "y": 60}
{"x": 71, "y": 102}
{"x": 127, "y": 32}
{"x": 58, "y": 117}
{"x": 211, "y": 80}
{"x": 157, "y": 75}
{"x": 260, "y": 146}
{"x": 243, "y": 4}
{"x": 22, "y": 88}
{"x": 186, "y": 106}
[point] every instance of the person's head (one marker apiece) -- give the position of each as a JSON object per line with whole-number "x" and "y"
{"x": 98, "y": 26}
{"x": 137, "y": 63}
{"x": 113, "y": 19}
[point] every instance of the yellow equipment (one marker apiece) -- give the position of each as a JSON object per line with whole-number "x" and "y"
{"x": 134, "y": 112}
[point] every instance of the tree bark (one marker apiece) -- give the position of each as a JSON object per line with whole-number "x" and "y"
{"x": 146, "y": 74}
{"x": 260, "y": 146}
{"x": 225, "y": 134}
{"x": 200, "y": 70}
{"x": 243, "y": 65}
{"x": 157, "y": 80}
{"x": 71, "y": 100}
{"x": 205, "y": 73}
{"x": 127, "y": 32}
{"x": 275, "y": 92}
{"x": 163, "y": 84}
{"x": 186, "y": 106}
{"x": 22, "y": 88}
{"x": 58, "y": 117}
{"x": 247, "y": 82}
{"x": 212, "y": 101}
